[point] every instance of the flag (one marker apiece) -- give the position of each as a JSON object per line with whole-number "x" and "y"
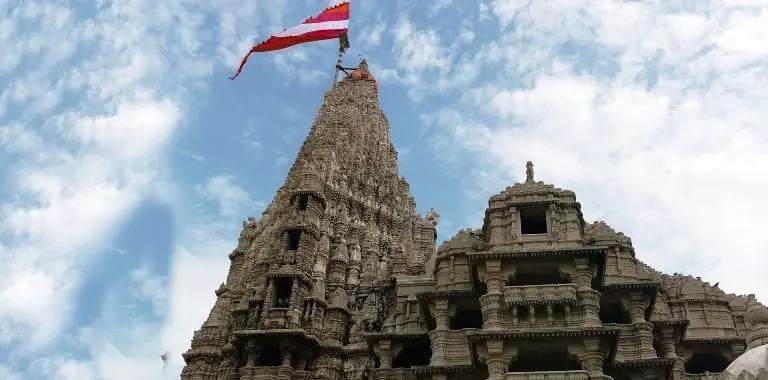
{"x": 331, "y": 23}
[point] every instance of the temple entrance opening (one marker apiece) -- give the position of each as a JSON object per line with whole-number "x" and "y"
{"x": 706, "y": 362}
{"x": 282, "y": 292}
{"x": 415, "y": 353}
{"x": 612, "y": 311}
{"x": 468, "y": 316}
{"x": 271, "y": 356}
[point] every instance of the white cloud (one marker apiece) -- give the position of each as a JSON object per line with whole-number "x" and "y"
{"x": 670, "y": 147}
{"x": 92, "y": 98}
{"x": 229, "y": 196}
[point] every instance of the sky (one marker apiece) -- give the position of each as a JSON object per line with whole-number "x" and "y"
{"x": 129, "y": 160}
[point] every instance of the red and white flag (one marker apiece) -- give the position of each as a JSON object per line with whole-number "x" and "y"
{"x": 331, "y": 23}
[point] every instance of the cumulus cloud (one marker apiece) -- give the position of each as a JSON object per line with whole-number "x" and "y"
{"x": 652, "y": 112}
{"x": 93, "y": 94}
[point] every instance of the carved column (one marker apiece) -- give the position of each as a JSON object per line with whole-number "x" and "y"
{"x": 496, "y": 361}
{"x": 294, "y": 305}
{"x": 590, "y": 298}
{"x": 385, "y": 354}
{"x": 637, "y": 305}
{"x": 490, "y": 303}
{"x": 592, "y": 359}
{"x": 668, "y": 340}
{"x": 439, "y": 336}
{"x": 270, "y": 295}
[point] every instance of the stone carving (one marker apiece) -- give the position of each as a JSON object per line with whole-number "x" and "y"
{"x": 354, "y": 299}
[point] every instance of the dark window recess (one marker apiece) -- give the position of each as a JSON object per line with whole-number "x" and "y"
{"x": 544, "y": 361}
{"x": 612, "y": 311}
{"x": 706, "y": 362}
{"x": 538, "y": 276}
{"x": 294, "y": 236}
{"x": 467, "y": 318}
{"x": 533, "y": 220}
{"x": 415, "y": 353}
{"x": 303, "y": 201}
{"x": 271, "y": 356}
{"x": 282, "y": 292}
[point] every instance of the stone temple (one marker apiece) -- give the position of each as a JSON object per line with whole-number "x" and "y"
{"x": 341, "y": 279}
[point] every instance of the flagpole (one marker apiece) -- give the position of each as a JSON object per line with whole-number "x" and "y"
{"x": 338, "y": 64}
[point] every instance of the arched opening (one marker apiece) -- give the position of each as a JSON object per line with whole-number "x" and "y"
{"x": 467, "y": 316}
{"x": 271, "y": 356}
{"x": 535, "y": 361}
{"x": 415, "y": 353}
{"x": 706, "y": 362}
{"x": 612, "y": 311}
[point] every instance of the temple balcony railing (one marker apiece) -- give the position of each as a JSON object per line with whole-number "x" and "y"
{"x": 268, "y": 373}
{"x": 547, "y": 375}
{"x": 702, "y": 376}
{"x": 395, "y": 374}
{"x": 540, "y": 294}
{"x": 275, "y": 318}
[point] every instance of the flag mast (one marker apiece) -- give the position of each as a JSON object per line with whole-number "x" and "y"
{"x": 343, "y": 46}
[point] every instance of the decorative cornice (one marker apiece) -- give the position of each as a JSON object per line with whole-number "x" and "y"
{"x": 481, "y": 335}
{"x": 423, "y": 296}
{"x": 587, "y": 251}
{"x": 375, "y": 337}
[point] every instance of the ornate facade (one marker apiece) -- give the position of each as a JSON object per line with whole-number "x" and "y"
{"x": 332, "y": 282}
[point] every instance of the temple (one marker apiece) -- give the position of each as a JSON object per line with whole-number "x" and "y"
{"x": 332, "y": 282}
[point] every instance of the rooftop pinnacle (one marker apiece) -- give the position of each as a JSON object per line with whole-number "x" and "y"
{"x": 529, "y": 172}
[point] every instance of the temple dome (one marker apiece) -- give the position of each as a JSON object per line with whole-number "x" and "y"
{"x": 752, "y": 364}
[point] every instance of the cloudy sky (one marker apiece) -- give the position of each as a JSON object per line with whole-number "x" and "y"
{"x": 129, "y": 159}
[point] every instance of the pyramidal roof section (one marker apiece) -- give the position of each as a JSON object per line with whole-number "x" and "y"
{"x": 345, "y": 195}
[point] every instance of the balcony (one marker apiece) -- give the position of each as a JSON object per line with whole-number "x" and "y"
{"x": 540, "y": 294}
{"x": 547, "y": 375}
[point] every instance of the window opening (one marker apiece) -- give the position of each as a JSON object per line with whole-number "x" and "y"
{"x": 533, "y": 220}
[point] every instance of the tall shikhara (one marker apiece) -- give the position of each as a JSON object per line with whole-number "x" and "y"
{"x": 315, "y": 271}
{"x": 330, "y": 283}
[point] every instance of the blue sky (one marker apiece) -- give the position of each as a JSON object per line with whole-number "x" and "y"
{"x": 130, "y": 159}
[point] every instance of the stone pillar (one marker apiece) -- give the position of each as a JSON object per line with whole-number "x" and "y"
{"x": 269, "y": 295}
{"x": 678, "y": 370}
{"x": 592, "y": 359}
{"x": 287, "y": 355}
{"x": 385, "y": 354}
{"x": 668, "y": 340}
{"x": 589, "y": 298}
{"x": 438, "y": 337}
{"x": 294, "y": 305}
{"x": 491, "y": 303}
{"x": 496, "y": 362}
{"x": 442, "y": 315}
{"x": 637, "y": 305}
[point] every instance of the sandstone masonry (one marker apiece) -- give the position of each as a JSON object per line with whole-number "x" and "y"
{"x": 331, "y": 282}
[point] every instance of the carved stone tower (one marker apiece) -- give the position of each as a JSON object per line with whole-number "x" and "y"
{"x": 330, "y": 283}
{"x": 317, "y": 270}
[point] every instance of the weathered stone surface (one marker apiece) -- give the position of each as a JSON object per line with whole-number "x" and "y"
{"x": 331, "y": 282}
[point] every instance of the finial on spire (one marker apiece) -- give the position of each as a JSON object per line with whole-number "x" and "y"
{"x": 529, "y": 172}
